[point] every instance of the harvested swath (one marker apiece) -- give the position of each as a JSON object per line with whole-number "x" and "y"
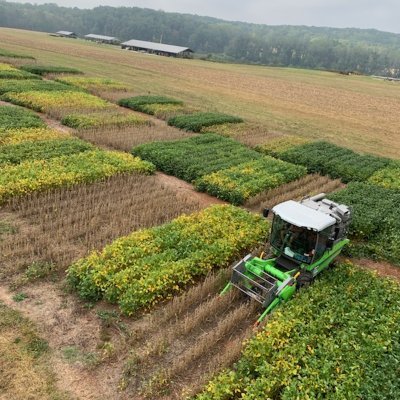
{"x": 201, "y": 334}
{"x": 226, "y": 325}
{"x": 128, "y": 137}
{"x": 62, "y": 225}
{"x": 308, "y": 185}
{"x": 49, "y": 69}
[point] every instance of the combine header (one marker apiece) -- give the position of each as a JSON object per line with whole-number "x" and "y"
{"x": 306, "y": 237}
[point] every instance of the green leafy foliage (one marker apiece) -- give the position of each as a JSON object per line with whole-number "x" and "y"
{"x": 41, "y": 150}
{"x": 9, "y": 72}
{"x": 15, "y": 117}
{"x": 192, "y": 158}
{"x": 136, "y": 102}
{"x": 27, "y": 85}
{"x": 49, "y": 69}
{"x": 11, "y": 54}
{"x": 388, "y": 177}
{"x": 237, "y": 184}
{"x": 375, "y": 226}
{"x": 139, "y": 270}
{"x": 195, "y": 122}
{"x": 335, "y": 161}
{"x": 338, "y": 339}
{"x": 153, "y": 105}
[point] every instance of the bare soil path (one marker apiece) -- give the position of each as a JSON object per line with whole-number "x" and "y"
{"x": 383, "y": 268}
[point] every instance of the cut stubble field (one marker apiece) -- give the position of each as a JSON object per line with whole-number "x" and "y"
{"x": 362, "y": 112}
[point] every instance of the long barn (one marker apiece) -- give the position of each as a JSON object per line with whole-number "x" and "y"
{"x": 157, "y": 48}
{"x": 102, "y": 39}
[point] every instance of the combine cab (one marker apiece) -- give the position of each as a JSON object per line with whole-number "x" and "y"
{"x": 306, "y": 237}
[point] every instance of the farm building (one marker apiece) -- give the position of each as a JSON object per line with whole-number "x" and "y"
{"x": 157, "y": 48}
{"x": 102, "y": 38}
{"x": 67, "y": 34}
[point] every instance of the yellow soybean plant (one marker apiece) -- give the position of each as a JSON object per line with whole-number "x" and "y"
{"x": 68, "y": 170}
{"x": 140, "y": 270}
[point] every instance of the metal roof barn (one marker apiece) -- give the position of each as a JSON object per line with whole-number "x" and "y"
{"x": 157, "y": 48}
{"x": 101, "y": 38}
{"x": 66, "y": 34}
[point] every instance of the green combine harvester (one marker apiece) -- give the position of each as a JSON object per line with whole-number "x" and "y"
{"x": 306, "y": 237}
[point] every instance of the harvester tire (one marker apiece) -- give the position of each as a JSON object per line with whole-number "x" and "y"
{"x": 304, "y": 280}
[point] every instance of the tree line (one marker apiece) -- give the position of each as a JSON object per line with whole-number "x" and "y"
{"x": 366, "y": 51}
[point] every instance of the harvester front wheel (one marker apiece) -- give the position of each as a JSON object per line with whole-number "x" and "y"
{"x": 304, "y": 279}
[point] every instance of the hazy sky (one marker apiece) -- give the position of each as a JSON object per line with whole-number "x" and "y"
{"x": 381, "y": 14}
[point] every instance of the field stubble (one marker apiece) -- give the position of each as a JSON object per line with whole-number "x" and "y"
{"x": 62, "y": 225}
{"x": 126, "y": 138}
{"x": 308, "y": 185}
{"x": 200, "y": 334}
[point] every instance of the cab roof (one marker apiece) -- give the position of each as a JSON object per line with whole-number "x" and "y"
{"x": 303, "y": 216}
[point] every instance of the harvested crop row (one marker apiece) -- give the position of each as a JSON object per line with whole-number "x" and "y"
{"x": 130, "y": 136}
{"x": 62, "y": 225}
{"x": 308, "y": 185}
{"x": 335, "y": 161}
{"x": 239, "y": 183}
{"x": 320, "y": 345}
{"x": 89, "y": 166}
{"x": 148, "y": 266}
{"x": 196, "y": 122}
